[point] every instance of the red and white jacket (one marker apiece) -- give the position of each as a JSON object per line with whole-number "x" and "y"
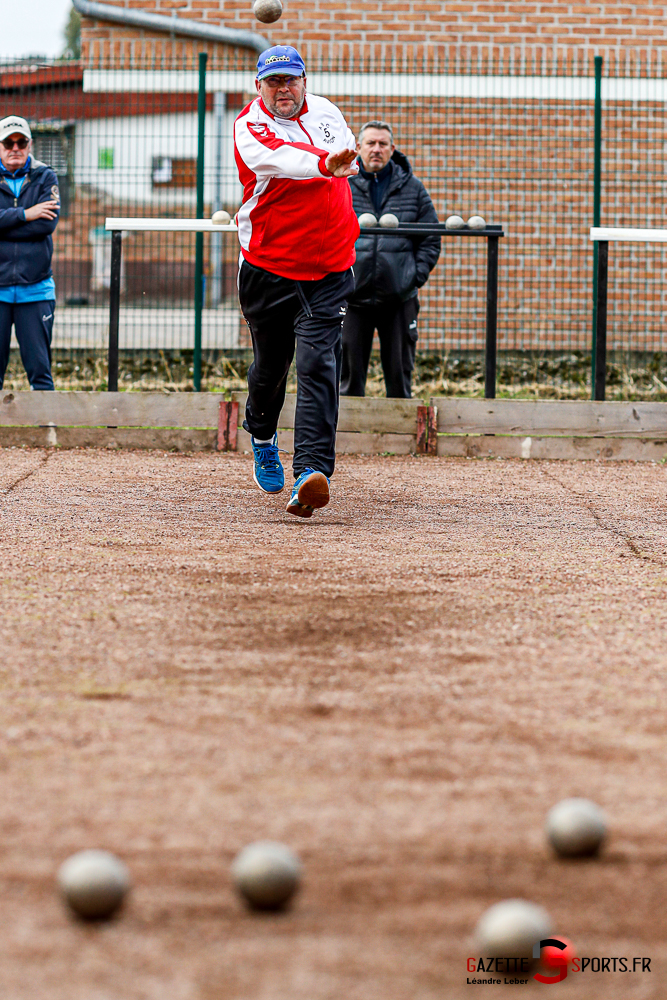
{"x": 296, "y": 219}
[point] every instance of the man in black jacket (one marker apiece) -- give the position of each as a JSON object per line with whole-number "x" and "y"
{"x": 389, "y": 269}
{"x": 29, "y": 208}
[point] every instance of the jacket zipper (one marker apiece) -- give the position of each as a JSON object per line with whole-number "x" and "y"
{"x": 16, "y": 205}
{"x": 319, "y": 252}
{"x": 375, "y": 240}
{"x": 303, "y": 129}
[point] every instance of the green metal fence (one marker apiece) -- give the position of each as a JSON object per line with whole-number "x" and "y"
{"x": 512, "y": 141}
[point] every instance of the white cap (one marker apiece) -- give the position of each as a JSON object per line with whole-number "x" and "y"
{"x": 12, "y": 124}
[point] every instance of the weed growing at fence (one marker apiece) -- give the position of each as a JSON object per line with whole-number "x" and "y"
{"x": 527, "y": 375}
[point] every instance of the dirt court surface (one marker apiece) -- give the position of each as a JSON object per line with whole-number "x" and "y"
{"x": 399, "y": 689}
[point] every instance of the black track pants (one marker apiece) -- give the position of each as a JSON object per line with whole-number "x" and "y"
{"x": 281, "y": 313}
{"x": 396, "y": 325}
{"x": 33, "y": 323}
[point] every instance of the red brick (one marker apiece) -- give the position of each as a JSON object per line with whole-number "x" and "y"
{"x": 493, "y": 27}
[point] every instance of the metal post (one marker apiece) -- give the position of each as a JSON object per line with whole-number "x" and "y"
{"x": 491, "y": 317}
{"x": 601, "y": 318}
{"x": 114, "y": 309}
{"x": 597, "y": 192}
{"x": 199, "y": 238}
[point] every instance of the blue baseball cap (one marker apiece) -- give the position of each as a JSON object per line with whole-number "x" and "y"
{"x": 281, "y": 60}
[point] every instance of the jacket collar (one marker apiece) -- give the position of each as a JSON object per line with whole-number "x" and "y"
{"x": 400, "y": 174}
{"x": 380, "y": 175}
{"x": 21, "y": 172}
{"x": 304, "y": 111}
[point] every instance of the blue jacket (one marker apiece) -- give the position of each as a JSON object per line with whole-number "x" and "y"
{"x": 26, "y": 247}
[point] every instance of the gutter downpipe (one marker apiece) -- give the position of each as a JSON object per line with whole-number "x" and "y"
{"x": 173, "y": 25}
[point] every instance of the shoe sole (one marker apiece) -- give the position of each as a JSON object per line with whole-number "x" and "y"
{"x": 270, "y": 493}
{"x": 312, "y": 495}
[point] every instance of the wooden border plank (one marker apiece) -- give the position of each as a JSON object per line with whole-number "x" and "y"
{"x": 455, "y": 445}
{"x": 580, "y": 418}
{"x": 149, "y": 409}
{"x": 374, "y": 418}
{"x": 347, "y": 443}
{"x": 378, "y": 416}
{"x": 185, "y": 439}
{"x": 360, "y": 415}
{"x": 552, "y": 448}
{"x": 109, "y": 409}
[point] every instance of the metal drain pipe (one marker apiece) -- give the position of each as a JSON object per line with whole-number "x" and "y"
{"x": 172, "y": 25}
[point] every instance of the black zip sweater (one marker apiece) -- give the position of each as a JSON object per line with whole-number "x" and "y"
{"x": 392, "y": 268}
{"x": 26, "y": 248}
{"x": 377, "y": 184}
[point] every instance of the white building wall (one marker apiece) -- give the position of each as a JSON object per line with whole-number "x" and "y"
{"x": 137, "y": 140}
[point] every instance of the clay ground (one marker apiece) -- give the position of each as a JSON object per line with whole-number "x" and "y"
{"x": 399, "y": 689}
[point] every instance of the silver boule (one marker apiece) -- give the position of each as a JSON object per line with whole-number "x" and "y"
{"x": 94, "y": 883}
{"x": 221, "y": 218}
{"x": 389, "y": 221}
{"x": 476, "y": 222}
{"x": 266, "y": 874}
{"x": 576, "y": 827}
{"x": 267, "y": 11}
{"x": 511, "y": 928}
{"x": 454, "y": 222}
{"x": 367, "y": 220}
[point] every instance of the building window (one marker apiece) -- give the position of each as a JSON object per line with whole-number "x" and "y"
{"x": 167, "y": 172}
{"x": 105, "y": 158}
{"x": 50, "y": 148}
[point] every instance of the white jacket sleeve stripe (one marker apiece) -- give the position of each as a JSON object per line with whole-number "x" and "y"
{"x": 267, "y": 155}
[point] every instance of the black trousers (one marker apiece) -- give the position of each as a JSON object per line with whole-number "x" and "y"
{"x": 283, "y": 314}
{"x": 396, "y": 324}
{"x": 33, "y": 323}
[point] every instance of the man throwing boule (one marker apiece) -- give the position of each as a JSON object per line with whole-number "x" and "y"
{"x": 297, "y": 230}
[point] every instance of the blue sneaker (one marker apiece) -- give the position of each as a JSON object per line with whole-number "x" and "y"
{"x": 268, "y": 471}
{"x": 310, "y": 491}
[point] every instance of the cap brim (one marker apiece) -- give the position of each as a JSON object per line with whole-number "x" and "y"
{"x": 280, "y": 72}
{"x": 13, "y": 131}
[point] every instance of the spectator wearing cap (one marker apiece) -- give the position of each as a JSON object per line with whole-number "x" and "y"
{"x": 390, "y": 269}
{"x": 297, "y": 230}
{"x": 29, "y": 209}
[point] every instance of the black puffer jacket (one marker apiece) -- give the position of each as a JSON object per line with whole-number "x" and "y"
{"x": 393, "y": 267}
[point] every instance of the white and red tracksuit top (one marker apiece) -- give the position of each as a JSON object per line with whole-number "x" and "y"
{"x": 296, "y": 219}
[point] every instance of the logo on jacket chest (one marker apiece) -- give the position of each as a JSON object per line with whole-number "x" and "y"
{"x": 327, "y": 132}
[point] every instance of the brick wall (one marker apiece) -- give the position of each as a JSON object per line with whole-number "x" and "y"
{"x": 393, "y": 26}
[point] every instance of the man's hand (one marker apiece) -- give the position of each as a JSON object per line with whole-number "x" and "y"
{"x": 45, "y": 210}
{"x": 342, "y": 164}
